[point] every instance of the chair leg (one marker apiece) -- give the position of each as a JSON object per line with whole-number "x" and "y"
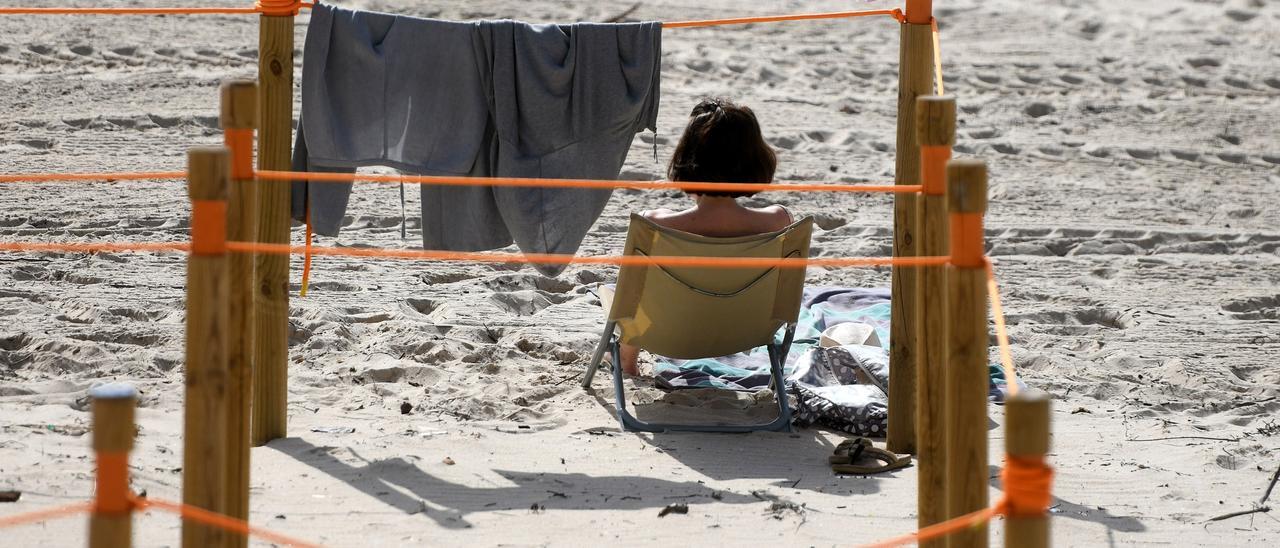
{"x": 778, "y": 359}
{"x": 605, "y": 340}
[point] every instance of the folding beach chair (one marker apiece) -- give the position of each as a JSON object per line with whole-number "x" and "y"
{"x": 700, "y": 312}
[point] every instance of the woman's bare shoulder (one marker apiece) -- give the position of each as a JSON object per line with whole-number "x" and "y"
{"x": 779, "y": 217}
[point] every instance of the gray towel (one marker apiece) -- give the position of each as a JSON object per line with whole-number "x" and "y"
{"x": 491, "y": 98}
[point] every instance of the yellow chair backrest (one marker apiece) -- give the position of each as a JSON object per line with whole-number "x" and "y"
{"x": 701, "y": 312}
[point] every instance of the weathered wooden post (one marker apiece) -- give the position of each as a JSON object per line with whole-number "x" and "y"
{"x": 915, "y": 78}
{"x": 111, "y": 522}
{"x": 966, "y": 378}
{"x": 935, "y": 131}
{"x": 204, "y": 434}
{"x": 1026, "y": 431}
{"x": 239, "y": 116}
{"x": 271, "y": 274}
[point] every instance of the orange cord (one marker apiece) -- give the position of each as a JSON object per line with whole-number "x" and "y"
{"x": 1028, "y": 486}
{"x": 45, "y": 515}
{"x": 265, "y": 7}
{"x": 479, "y": 181}
{"x": 220, "y": 521}
{"x": 73, "y": 247}
{"x": 476, "y": 257}
{"x": 895, "y": 13}
{"x": 103, "y": 177}
{"x": 306, "y": 257}
{"x": 937, "y": 59}
{"x": 1002, "y": 334}
{"x": 579, "y": 183}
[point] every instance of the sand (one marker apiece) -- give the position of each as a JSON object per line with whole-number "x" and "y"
{"x": 1133, "y": 158}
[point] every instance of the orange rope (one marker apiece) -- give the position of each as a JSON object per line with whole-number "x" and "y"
{"x": 1002, "y": 334}
{"x": 125, "y": 11}
{"x": 306, "y": 260}
{"x": 937, "y": 59}
{"x": 547, "y": 258}
{"x": 72, "y": 247}
{"x": 265, "y": 7}
{"x": 480, "y": 181}
{"x": 937, "y": 530}
{"x": 895, "y": 13}
{"x": 218, "y": 520}
{"x": 579, "y": 183}
{"x": 123, "y": 176}
{"x": 1028, "y": 486}
{"x": 45, "y": 515}
{"x": 476, "y": 257}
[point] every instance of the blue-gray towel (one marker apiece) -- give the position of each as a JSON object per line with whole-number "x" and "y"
{"x": 479, "y": 99}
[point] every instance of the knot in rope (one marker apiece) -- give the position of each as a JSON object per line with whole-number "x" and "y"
{"x": 278, "y": 7}
{"x": 899, "y": 15}
{"x": 1028, "y": 484}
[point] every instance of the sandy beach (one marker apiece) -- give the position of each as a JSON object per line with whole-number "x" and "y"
{"x": 1133, "y": 155}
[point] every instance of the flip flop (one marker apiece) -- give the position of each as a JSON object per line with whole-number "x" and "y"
{"x": 850, "y": 452}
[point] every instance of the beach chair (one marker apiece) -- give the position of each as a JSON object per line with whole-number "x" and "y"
{"x": 699, "y": 312}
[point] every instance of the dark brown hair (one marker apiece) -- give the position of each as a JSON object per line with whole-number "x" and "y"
{"x": 722, "y": 144}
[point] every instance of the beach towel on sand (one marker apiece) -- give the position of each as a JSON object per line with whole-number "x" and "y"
{"x": 477, "y": 99}
{"x": 822, "y": 381}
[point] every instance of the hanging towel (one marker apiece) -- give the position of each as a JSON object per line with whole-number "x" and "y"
{"x": 481, "y": 99}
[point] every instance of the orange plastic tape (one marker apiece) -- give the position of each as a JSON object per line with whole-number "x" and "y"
{"x": 208, "y": 227}
{"x": 919, "y": 12}
{"x": 240, "y": 142}
{"x": 47, "y": 514}
{"x": 113, "y": 483}
{"x": 279, "y": 8}
{"x": 933, "y": 169}
{"x": 1028, "y": 486}
{"x": 967, "y": 245}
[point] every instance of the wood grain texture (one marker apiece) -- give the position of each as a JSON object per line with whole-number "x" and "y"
{"x": 204, "y": 433}
{"x": 915, "y": 78}
{"x": 966, "y": 387}
{"x": 239, "y": 112}
{"x": 271, "y": 272}
{"x": 936, "y": 120}
{"x": 932, "y": 366}
{"x": 1027, "y": 434}
{"x": 113, "y": 432}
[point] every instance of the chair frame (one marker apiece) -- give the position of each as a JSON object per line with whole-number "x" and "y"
{"x": 777, "y": 358}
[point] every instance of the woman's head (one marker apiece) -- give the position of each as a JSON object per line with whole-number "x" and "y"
{"x": 722, "y": 144}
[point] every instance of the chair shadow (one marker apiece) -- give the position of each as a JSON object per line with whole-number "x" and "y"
{"x": 404, "y": 486}
{"x": 794, "y": 460}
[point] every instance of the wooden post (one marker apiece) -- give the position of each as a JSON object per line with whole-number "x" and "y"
{"x": 271, "y": 274}
{"x": 239, "y": 116}
{"x": 966, "y": 378}
{"x": 915, "y": 78}
{"x": 111, "y": 523}
{"x": 1026, "y": 430}
{"x": 936, "y": 131}
{"x": 204, "y": 435}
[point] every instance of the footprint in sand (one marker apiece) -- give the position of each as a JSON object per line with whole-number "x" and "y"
{"x": 1254, "y": 308}
{"x": 528, "y": 302}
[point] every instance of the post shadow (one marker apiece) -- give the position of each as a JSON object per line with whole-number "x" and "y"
{"x": 401, "y": 484}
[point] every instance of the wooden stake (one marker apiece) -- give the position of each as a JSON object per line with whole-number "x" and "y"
{"x": 111, "y": 523}
{"x": 935, "y": 130}
{"x": 271, "y": 274}
{"x": 1026, "y": 430}
{"x": 204, "y": 436}
{"x": 915, "y": 78}
{"x": 239, "y": 116}
{"x": 966, "y": 377}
